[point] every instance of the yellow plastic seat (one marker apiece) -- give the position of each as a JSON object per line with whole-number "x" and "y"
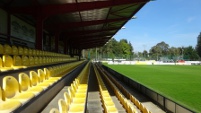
{"x": 30, "y": 52}
{"x": 54, "y": 110}
{"x": 76, "y": 95}
{"x": 76, "y": 109}
{"x": 8, "y": 106}
{"x": 110, "y": 109}
{"x": 63, "y": 107}
{"x": 12, "y": 90}
{"x": 17, "y": 62}
{"x": 37, "y": 53}
{"x": 25, "y": 84}
{"x": 145, "y": 110}
{"x": 35, "y": 80}
{"x": 31, "y": 61}
{"x": 67, "y": 98}
{"x": 7, "y": 49}
{"x": 36, "y": 62}
{"x": 42, "y": 78}
{"x": 26, "y": 52}
{"x": 14, "y": 50}
{"x": 6, "y": 63}
{"x": 40, "y": 59}
{"x": 44, "y": 60}
{"x": 34, "y": 52}
{"x": 20, "y": 50}
{"x": 25, "y": 61}
{"x": 48, "y": 76}
{"x": 80, "y": 88}
{"x": 4, "y": 68}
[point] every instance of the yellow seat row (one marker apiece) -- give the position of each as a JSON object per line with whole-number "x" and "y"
{"x": 8, "y": 62}
{"x": 14, "y": 50}
{"x": 108, "y": 104}
{"x": 75, "y": 99}
{"x": 14, "y": 93}
{"x": 117, "y": 87}
{"x": 23, "y": 89}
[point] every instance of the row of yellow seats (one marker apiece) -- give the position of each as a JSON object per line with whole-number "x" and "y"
{"x": 15, "y": 93}
{"x": 107, "y": 101}
{"x": 13, "y": 50}
{"x": 8, "y": 62}
{"x": 61, "y": 70}
{"x": 127, "y": 105}
{"x": 75, "y": 99}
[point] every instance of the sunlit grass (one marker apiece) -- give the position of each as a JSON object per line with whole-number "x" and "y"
{"x": 179, "y": 83}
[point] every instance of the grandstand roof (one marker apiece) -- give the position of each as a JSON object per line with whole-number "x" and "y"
{"x": 84, "y": 23}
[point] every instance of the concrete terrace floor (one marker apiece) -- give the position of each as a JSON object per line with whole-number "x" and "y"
{"x": 94, "y": 104}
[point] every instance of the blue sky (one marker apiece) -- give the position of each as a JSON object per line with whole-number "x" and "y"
{"x": 176, "y": 22}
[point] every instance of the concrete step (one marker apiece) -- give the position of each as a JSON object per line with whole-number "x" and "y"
{"x": 94, "y": 104}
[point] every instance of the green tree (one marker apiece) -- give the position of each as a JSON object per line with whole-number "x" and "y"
{"x": 190, "y": 53}
{"x": 198, "y": 46}
{"x": 145, "y": 54}
{"x": 159, "y": 50}
{"x": 115, "y": 49}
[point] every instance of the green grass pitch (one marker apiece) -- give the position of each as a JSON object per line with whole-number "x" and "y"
{"x": 181, "y": 84}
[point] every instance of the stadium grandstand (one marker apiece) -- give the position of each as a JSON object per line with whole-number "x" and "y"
{"x": 41, "y": 66}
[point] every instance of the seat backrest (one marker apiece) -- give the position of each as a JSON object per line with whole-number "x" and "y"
{"x": 37, "y": 53}
{"x": 17, "y": 61}
{"x": 36, "y": 62}
{"x": 30, "y": 51}
{"x": 67, "y": 98}
{"x": 40, "y": 60}
{"x": 1, "y": 49}
{"x": 54, "y": 110}
{"x": 63, "y": 107}
{"x": 20, "y": 50}
{"x": 51, "y": 70}
{"x": 7, "y": 61}
{"x": 1, "y": 62}
{"x": 47, "y": 73}
{"x": 31, "y": 60}
{"x": 34, "y": 52}
{"x": 24, "y": 82}
{"x": 34, "y": 78}
{"x": 7, "y": 49}
{"x": 26, "y": 51}
{"x": 1, "y": 95}
{"x": 40, "y": 53}
{"x": 25, "y": 61}
{"x": 44, "y": 60}
{"x": 10, "y": 86}
{"x": 14, "y": 50}
{"x": 41, "y": 75}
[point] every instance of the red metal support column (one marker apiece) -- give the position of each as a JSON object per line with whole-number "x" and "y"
{"x": 39, "y": 32}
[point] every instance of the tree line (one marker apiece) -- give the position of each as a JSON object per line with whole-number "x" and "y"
{"x": 112, "y": 49}
{"x": 123, "y": 49}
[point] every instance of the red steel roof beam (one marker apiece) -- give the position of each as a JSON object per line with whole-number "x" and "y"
{"x": 90, "y": 31}
{"x": 50, "y": 10}
{"x": 63, "y": 26}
